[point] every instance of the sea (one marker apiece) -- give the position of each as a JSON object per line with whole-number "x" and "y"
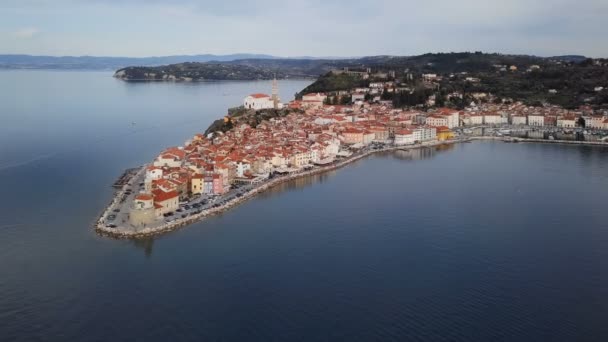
{"x": 481, "y": 241}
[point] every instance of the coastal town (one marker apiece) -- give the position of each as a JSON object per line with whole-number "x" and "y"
{"x": 211, "y": 172}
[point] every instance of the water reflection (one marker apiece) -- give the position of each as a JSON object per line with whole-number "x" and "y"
{"x": 302, "y": 183}
{"x": 146, "y": 244}
{"x": 298, "y": 184}
{"x": 421, "y": 153}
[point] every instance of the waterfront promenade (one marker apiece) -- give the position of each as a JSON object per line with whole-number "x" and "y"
{"x": 122, "y": 199}
{"x": 121, "y": 228}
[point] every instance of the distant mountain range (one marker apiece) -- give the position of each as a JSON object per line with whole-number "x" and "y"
{"x": 112, "y": 63}
{"x": 15, "y": 61}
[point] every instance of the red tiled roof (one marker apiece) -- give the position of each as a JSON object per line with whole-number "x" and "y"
{"x": 442, "y": 129}
{"x": 161, "y": 196}
{"x": 259, "y": 96}
{"x": 144, "y": 197}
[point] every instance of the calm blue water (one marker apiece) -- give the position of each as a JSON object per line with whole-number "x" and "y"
{"x": 478, "y": 242}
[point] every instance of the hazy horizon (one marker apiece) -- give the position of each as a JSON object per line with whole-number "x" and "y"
{"x": 265, "y": 55}
{"x": 137, "y": 28}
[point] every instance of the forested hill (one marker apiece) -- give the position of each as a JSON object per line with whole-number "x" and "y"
{"x": 256, "y": 68}
{"x": 197, "y": 72}
{"x": 569, "y": 81}
{"x": 242, "y": 69}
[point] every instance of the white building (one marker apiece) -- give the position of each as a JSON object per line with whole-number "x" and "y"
{"x": 437, "y": 120}
{"x": 357, "y": 97}
{"x": 170, "y": 158}
{"x": 376, "y": 85}
{"x": 242, "y": 167}
{"x": 536, "y": 120}
{"x": 404, "y": 137}
{"x": 566, "y": 122}
{"x": 473, "y": 120}
{"x": 453, "y": 119}
{"x": 313, "y": 100}
{"x": 492, "y": 119}
{"x": 258, "y": 101}
{"x": 424, "y": 134}
{"x": 429, "y": 77}
{"x": 368, "y": 137}
{"x": 595, "y": 121}
{"x": 519, "y": 120}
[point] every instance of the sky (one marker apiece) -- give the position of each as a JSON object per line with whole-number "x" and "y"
{"x": 139, "y": 28}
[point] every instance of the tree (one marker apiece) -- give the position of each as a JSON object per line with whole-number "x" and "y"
{"x": 581, "y": 122}
{"x": 440, "y": 99}
{"x": 386, "y": 95}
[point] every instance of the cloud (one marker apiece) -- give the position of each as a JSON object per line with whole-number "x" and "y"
{"x": 305, "y": 27}
{"x": 26, "y": 33}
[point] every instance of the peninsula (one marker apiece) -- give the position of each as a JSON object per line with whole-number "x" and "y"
{"x": 264, "y": 142}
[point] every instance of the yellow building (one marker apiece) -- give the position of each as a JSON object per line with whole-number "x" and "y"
{"x": 444, "y": 133}
{"x": 196, "y": 186}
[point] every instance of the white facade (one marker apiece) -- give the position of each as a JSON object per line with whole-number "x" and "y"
{"x": 154, "y": 173}
{"x": 536, "y": 120}
{"x": 566, "y": 122}
{"x": 450, "y": 120}
{"x": 595, "y": 122}
{"x": 301, "y": 158}
{"x": 404, "y": 137}
{"x": 492, "y": 119}
{"x": 476, "y": 119}
{"x": 424, "y": 133}
{"x": 168, "y": 160}
{"x": 453, "y": 119}
{"x": 313, "y": 100}
{"x": 242, "y": 168}
{"x": 368, "y": 137}
{"x": 357, "y": 97}
{"x": 436, "y": 120}
{"x": 258, "y": 101}
{"x": 519, "y": 120}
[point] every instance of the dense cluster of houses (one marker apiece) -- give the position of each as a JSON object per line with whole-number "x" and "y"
{"x": 314, "y": 135}
{"x": 520, "y": 114}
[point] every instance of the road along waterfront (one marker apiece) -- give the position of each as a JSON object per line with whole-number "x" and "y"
{"x": 125, "y": 231}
